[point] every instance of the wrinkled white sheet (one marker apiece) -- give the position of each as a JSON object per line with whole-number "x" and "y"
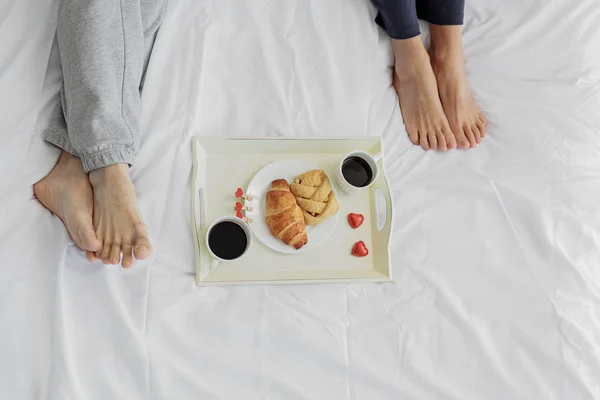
{"x": 495, "y": 252}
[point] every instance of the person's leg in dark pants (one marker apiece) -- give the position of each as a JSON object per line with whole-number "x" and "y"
{"x": 446, "y": 53}
{"x": 435, "y": 101}
{"x": 104, "y": 46}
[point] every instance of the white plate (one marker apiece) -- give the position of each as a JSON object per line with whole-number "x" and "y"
{"x": 258, "y": 187}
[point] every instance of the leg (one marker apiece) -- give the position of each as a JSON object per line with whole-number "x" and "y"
{"x": 117, "y": 220}
{"x": 102, "y": 45}
{"x": 413, "y": 78}
{"x": 466, "y": 121}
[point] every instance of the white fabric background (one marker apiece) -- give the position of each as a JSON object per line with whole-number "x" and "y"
{"x": 495, "y": 252}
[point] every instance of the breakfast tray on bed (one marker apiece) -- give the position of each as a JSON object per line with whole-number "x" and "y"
{"x": 221, "y": 165}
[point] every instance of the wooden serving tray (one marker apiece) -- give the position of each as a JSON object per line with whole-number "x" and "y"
{"x": 221, "y": 165}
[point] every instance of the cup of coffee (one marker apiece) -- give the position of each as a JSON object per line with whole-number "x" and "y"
{"x": 357, "y": 171}
{"x": 228, "y": 239}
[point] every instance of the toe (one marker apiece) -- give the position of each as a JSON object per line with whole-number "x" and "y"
{"x": 127, "y": 261}
{"x": 460, "y": 136}
{"x": 449, "y": 138}
{"x": 98, "y": 253}
{"x": 105, "y": 252}
{"x": 469, "y": 134}
{"x": 462, "y": 140}
{"x": 115, "y": 254}
{"x": 433, "y": 143}
{"x": 481, "y": 127}
{"x": 142, "y": 247}
{"x": 443, "y": 146}
{"x": 91, "y": 256}
{"x": 476, "y": 133}
{"x": 87, "y": 237}
{"x": 423, "y": 141}
{"x": 482, "y": 119}
{"x": 413, "y": 134}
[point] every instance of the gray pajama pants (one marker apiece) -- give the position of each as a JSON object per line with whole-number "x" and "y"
{"x": 104, "y": 47}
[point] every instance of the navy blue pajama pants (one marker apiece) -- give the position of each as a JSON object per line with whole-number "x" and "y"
{"x": 400, "y": 17}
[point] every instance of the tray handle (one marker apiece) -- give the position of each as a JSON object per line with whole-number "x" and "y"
{"x": 382, "y": 208}
{"x": 197, "y": 213}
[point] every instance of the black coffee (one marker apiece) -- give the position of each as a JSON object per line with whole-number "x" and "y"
{"x": 227, "y": 240}
{"x": 357, "y": 171}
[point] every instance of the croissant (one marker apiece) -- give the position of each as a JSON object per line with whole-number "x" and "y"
{"x": 283, "y": 216}
{"x": 315, "y": 196}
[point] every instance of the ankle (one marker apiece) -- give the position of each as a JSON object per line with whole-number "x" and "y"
{"x": 446, "y": 58}
{"x": 445, "y": 37}
{"x": 410, "y": 57}
{"x": 447, "y": 62}
{"x": 446, "y": 46}
{"x": 102, "y": 175}
{"x": 68, "y": 159}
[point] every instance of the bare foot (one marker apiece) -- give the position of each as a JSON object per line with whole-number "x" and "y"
{"x": 67, "y": 193}
{"x": 117, "y": 222}
{"x": 417, "y": 91}
{"x": 465, "y": 119}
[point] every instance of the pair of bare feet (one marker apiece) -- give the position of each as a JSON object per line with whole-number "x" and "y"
{"x": 437, "y": 107}
{"x": 99, "y": 210}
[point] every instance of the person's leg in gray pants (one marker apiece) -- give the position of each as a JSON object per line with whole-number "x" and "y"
{"x": 104, "y": 48}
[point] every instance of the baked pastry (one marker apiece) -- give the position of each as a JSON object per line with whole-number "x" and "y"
{"x": 315, "y": 196}
{"x": 283, "y": 216}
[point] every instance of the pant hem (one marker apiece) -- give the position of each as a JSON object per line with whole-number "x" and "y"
{"x": 107, "y": 157}
{"x": 458, "y": 21}
{"x": 398, "y": 32}
{"x": 92, "y": 161}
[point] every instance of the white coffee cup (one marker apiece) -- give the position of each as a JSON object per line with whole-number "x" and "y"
{"x": 216, "y": 260}
{"x": 369, "y": 159}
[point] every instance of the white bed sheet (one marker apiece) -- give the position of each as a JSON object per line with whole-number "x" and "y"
{"x": 495, "y": 251}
